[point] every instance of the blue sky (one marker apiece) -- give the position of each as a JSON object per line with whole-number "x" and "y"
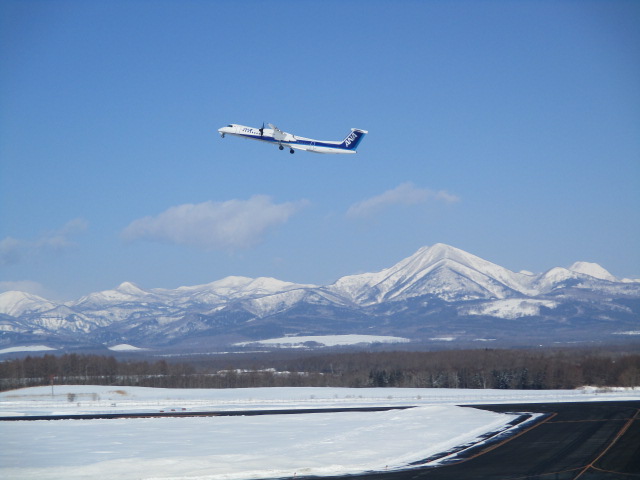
{"x": 508, "y": 129}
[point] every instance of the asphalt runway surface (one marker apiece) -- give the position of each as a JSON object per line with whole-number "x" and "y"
{"x": 585, "y": 441}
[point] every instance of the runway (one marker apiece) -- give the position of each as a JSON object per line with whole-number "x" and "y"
{"x": 586, "y": 441}
{"x": 571, "y": 441}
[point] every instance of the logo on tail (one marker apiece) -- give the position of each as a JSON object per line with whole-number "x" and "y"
{"x": 354, "y": 138}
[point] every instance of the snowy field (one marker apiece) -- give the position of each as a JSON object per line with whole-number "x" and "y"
{"x": 247, "y": 447}
{"x": 325, "y": 340}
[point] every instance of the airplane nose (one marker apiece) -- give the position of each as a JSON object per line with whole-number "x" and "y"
{"x": 224, "y": 130}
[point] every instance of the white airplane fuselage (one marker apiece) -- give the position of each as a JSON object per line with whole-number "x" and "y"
{"x": 283, "y": 139}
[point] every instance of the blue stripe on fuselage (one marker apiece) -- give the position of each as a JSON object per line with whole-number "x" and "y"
{"x": 308, "y": 143}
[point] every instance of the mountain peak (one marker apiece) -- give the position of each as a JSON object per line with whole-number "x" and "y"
{"x": 440, "y": 269}
{"x": 593, "y": 270}
{"x": 17, "y": 303}
{"x": 232, "y": 281}
{"x": 437, "y": 249}
{"x": 130, "y": 288}
{"x": 234, "y": 287}
{"x": 442, "y": 248}
{"x": 442, "y": 251}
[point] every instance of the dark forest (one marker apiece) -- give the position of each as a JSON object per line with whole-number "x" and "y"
{"x": 482, "y": 368}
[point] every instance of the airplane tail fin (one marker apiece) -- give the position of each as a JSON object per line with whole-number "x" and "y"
{"x": 352, "y": 140}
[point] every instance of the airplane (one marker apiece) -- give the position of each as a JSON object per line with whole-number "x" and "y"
{"x": 283, "y": 139}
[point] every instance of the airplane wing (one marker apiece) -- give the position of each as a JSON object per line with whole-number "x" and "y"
{"x": 277, "y": 133}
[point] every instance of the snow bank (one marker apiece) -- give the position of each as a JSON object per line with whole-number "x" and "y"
{"x": 237, "y": 447}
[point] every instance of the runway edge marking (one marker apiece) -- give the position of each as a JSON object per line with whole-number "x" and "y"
{"x": 511, "y": 437}
{"x": 620, "y": 433}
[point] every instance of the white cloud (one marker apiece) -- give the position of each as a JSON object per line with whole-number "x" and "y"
{"x": 233, "y": 224}
{"x": 60, "y": 239}
{"x": 13, "y": 250}
{"x": 404, "y": 194}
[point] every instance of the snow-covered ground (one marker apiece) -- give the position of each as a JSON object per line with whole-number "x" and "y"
{"x": 246, "y": 447}
{"x": 326, "y": 340}
{"x": 27, "y": 348}
{"x": 124, "y": 347}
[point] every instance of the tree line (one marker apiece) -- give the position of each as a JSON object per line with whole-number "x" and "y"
{"x": 486, "y": 368}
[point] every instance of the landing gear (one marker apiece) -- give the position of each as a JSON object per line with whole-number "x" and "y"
{"x": 291, "y": 150}
{"x": 280, "y": 147}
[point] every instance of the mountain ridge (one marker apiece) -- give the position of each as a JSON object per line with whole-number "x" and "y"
{"x": 438, "y": 288}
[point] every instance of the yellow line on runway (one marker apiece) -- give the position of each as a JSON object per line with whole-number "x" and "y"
{"x": 634, "y": 475}
{"x": 503, "y": 442}
{"x": 611, "y": 443}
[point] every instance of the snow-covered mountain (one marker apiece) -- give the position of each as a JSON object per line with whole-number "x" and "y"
{"x": 17, "y": 304}
{"x": 593, "y": 270}
{"x": 440, "y": 270}
{"x": 438, "y": 292}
